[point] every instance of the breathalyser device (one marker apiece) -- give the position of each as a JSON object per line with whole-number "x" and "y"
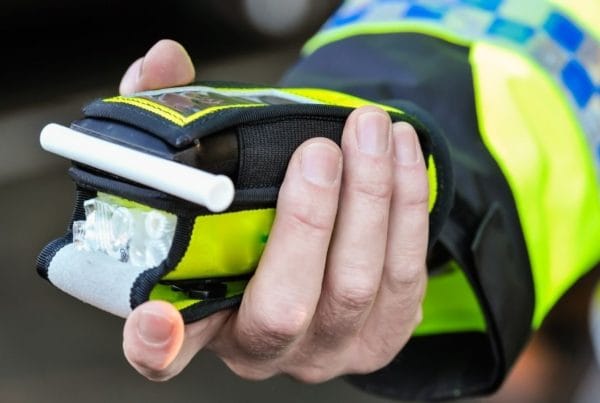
{"x": 176, "y": 189}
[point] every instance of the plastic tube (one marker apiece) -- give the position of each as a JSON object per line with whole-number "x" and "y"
{"x": 215, "y": 192}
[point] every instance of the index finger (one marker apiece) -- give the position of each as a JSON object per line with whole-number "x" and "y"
{"x": 280, "y": 300}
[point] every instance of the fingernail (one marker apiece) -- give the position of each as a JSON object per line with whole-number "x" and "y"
{"x": 154, "y": 328}
{"x": 372, "y": 133}
{"x": 405, "y": 144}
{"x": 320, "y": 164}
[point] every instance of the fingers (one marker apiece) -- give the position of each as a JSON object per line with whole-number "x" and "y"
{"x": 397, "y": 309}
{"x": 166, "y": 64}
{"x": 317, "y": 302}
{"x": 375, "y": 276}
{"x": 280, "y": 300}
{"x": 157, "y": 344}
{"x": 339, "y": 286}
{"x": 409, "y": 224}
{"x": 358, "y": 249}
{"x": 288, "y": 280}
{"x": 152, "y": 338}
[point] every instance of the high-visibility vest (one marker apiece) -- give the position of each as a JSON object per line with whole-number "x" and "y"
{"x": 516, "y": 87}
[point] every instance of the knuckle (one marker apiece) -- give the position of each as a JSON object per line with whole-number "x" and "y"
{"x": 408, "y": 275}
{"x": 311, "y": 221}
{"x": 312, "y": 217}
{"x": 354, "y": 298}
{"x": 270, "y": 333}
{"x": 373, "y": 190}
{"x": 374, "y": 356}
{"x": 282, "y": 328}
{"x": 415, "y": 193}
{"x": 418, "y": 200}
{"x": 341, "y": 314}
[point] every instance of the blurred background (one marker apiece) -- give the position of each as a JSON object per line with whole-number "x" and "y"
{"x": 56, "y": 57}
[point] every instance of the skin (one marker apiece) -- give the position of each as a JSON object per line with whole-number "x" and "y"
{"x": 340, "y": 284}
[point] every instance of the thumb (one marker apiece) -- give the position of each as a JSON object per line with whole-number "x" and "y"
{"x": 158, "y": 345}
{"x": 152, "y": 338}
{"x": 166, "y": 64}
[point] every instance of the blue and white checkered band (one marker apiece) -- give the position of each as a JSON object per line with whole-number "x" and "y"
{"x": 533, "y": 27}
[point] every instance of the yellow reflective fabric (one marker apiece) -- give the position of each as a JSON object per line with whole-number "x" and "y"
{"x": 532, "y": 132}
{"x": 224, "y": 245}
{"x": 181, "y": 300}
{"x": 432, "y": 179}
{"x": 120, "y": 201}
{"x": 337, "y": 98}
{"x": 375, "y": 28}
{"x": 450, "y": 305}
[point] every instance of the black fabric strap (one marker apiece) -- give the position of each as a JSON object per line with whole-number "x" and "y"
{"x": 266, "y": 147}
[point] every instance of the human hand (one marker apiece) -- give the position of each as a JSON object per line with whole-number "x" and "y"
{"x": 339, "y": 286}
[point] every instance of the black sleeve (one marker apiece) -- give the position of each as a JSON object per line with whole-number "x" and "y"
{"x": 482, "y": 234}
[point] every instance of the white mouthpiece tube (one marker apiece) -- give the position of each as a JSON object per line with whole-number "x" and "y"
{"x": 215, "y": 192}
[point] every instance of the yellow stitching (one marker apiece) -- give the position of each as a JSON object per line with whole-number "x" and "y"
{"x": 150, "y": 106}
{"x": 171, "y": 115}
{"x": 207, "y": 111}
